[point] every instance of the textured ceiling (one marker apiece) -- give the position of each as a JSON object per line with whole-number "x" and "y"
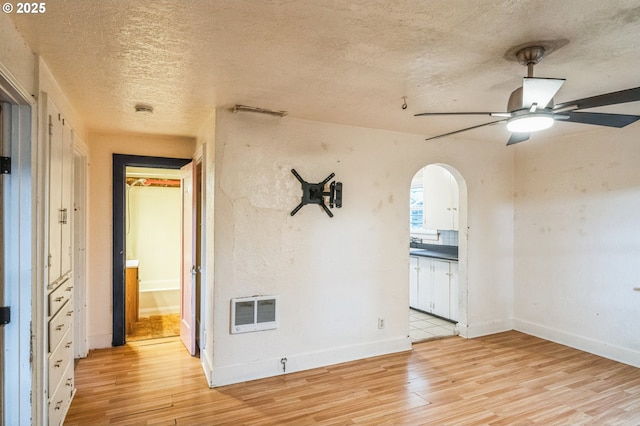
{"x": 339, "y": 61}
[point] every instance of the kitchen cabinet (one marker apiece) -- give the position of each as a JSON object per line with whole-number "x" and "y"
{"x": 433, "y": 286}
{"x": 59, "y": 307}
{"x": 441, "y": 198}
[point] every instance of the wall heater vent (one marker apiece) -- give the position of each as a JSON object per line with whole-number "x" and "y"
{"x": 254, "y": 313}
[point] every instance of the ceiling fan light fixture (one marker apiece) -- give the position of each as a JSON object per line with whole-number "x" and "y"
{"x": 530, "y": 123}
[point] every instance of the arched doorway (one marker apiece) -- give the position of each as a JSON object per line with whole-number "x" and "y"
{"x": 437, "y": 262}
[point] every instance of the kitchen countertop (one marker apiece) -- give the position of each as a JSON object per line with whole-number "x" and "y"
{"x": 435, "y": 251}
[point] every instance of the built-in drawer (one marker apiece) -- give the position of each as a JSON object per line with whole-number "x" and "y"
{"x": 59, "y": 324}
{"x": 59, "y": 296}
{"x": 59, "y": 360}
{"x": 61, "y": 399}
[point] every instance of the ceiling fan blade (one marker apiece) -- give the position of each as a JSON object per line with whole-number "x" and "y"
{"x": 492, "y": 114}
{"x": 613, "y": 98}
{"x": 539, "y": 91}
{"x": 517, "y": 138}
{"x": 601, "y": 119}
{"x": 464, "y": 130}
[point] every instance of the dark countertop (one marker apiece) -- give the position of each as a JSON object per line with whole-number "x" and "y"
{"x": 435, "y": 251}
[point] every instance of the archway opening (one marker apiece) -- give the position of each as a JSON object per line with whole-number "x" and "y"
{"x": 437, "y": 256}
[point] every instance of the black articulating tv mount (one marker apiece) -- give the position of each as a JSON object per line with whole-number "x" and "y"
{"x": 313, "y": 193}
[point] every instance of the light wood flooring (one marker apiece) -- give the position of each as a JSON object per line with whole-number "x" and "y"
{"x": 503, "y": 379}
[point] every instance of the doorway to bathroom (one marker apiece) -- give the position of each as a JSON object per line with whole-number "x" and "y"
{"x": 153, "y": 252}
{"x": 155, "y": 264}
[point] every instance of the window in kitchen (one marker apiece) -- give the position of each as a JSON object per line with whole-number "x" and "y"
{"x": 417, "y": 206}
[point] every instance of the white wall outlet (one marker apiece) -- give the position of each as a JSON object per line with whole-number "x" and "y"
{"x": 381, "y": 323}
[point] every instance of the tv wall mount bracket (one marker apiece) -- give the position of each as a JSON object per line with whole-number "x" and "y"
{"x": 314, "y": 193}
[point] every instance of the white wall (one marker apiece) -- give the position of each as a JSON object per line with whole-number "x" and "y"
{"x": 154, "y": 238}
{"x": 17, "y": 61}
{"x": 577, "y": 241}
{"x": 337, "y": 276}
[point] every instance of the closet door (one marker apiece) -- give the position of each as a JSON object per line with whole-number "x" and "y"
{"x": 55, "y": 191}
{"x": 66, "y": 205}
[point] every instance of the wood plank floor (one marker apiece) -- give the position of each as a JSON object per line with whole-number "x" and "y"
{"x": 504, "y": 379}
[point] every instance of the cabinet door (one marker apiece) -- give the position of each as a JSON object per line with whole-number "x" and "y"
{"x": 440, "y": 288}
{"x": 441, "y": 198}
{"x": 424, "y": 284}
{"x": 66, "y": 202}
{"x": 55, "y": 191}
{"x": 413, "y": 282}
{"x": 453, "y": 291}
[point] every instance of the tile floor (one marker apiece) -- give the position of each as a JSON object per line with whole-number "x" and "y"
{"x": 426, "y": 327}
{"x": 154, "y": 327}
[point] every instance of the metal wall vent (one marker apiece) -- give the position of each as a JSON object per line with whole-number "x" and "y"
{"x": 254, "y": 313}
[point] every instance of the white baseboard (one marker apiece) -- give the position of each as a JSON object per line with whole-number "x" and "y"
{"x": 470, "y": 331}
{"x": 236, "y": 373}
{"x": 207, "y": 367}
{"x": 596, "y": 347}
{"x": 161, "y": 310}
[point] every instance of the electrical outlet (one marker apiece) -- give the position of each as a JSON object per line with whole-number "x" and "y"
{"x": 380, "y": 323}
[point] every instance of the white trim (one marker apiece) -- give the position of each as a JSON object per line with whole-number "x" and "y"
{"x": 269, "y": 367}
{"x": 158, "y": 310}
{"x": 597, "y": 347}
{"x": 484, "y": 328}
{"x": 12, "y": 90}
{"x": 80, "y": 232}
{"x": 207, "y": 366}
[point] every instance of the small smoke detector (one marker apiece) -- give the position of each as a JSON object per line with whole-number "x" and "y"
{"x": 144, "y": 109}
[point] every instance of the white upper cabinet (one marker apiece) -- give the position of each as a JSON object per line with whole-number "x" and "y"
{"x": 441, "y": 199}
{"x": 60, "y": 194}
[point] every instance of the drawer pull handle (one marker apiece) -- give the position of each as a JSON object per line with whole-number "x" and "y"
{"x": 57, "y": 299}
{"x": 70, "y": 313}
{"x": 69, "y": 381}
{"x": 60, "y": 327}
{"x": 58, "y": 363}
{"x": 68, "y": 289}
{"x": 58, "y": 405}
{"x": 68, "y": 345}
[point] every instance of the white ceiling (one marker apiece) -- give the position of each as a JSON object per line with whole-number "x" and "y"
{"x": 338, "y": 61}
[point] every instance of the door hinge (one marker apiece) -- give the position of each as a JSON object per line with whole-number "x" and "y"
{"x": 5, "y": 165}
{"x": 5, "y": 315}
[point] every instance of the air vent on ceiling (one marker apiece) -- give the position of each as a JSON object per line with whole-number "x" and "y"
{"x": 254, "y": 313}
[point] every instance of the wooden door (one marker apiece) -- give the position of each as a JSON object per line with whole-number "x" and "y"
{"x": 188, "y": 294}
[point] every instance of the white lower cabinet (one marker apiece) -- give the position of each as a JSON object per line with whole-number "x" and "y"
{"x": 433, "y": 286}
{"x": 60, "y": 386}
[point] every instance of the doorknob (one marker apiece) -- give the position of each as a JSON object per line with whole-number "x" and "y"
{"x": 194, "y": 270}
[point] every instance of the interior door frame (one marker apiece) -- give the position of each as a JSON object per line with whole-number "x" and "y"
{"x": 120, "y": 164}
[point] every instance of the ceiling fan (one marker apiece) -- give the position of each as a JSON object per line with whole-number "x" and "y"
{"x": 531, "y": 107}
